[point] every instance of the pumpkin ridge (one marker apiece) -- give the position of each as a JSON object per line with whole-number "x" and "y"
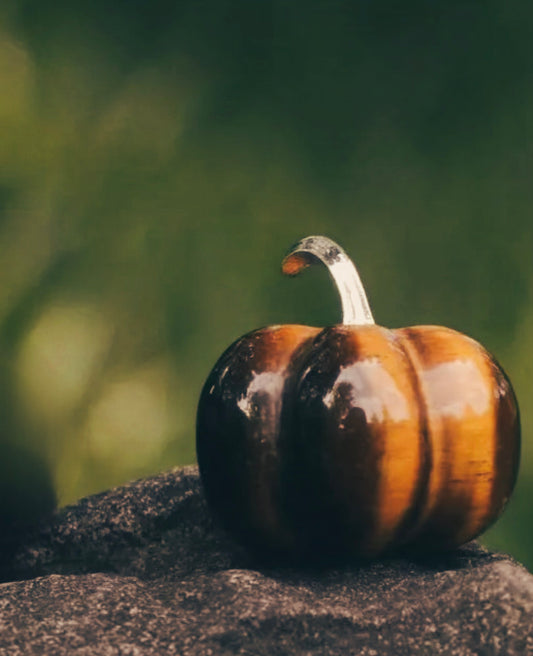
{"x": 329, "y": 457}
{"x": 290, "y": 474}
{"x": 266, "y": 491}
{"x": 444, "y": 512}
{"x": 410, "y": 524}
{"x": 464, "y": 420}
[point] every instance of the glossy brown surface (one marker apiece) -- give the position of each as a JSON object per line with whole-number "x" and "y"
{"x": 357, "y": 439}
{"x": 240, "y": 432}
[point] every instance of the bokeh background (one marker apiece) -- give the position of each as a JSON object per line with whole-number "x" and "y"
{"x": 158, "y": 158}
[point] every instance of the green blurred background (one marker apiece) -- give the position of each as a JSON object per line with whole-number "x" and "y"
{"x": 158, "y": 158}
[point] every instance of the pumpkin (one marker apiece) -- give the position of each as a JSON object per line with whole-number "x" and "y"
{"x": 355, "y": 439}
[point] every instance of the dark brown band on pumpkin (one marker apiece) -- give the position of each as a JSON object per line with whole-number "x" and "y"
{"x": 273, "y": 358}
{"x": 507, "y": 451}
{"x": 238, "y": 431}
{"x": 221, "y": 438}
{"x": 337, "y": 449}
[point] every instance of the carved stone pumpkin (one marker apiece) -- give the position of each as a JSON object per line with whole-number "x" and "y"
{"x": 355, "y": 439}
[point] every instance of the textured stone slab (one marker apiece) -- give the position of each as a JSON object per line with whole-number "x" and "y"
{"x": 141, "y": 570}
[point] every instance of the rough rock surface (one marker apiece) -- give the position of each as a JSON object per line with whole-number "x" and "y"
{"x": 141, "y": 570}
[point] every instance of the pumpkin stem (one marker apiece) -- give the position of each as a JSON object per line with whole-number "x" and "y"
{"x": 311, "y": 250}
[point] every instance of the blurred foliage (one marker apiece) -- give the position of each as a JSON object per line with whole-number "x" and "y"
{"x": 156, "y": 161}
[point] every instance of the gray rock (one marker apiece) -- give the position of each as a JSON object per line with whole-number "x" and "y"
{"x": 141, "y": 570}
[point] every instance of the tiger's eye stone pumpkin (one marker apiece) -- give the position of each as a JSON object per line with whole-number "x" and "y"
{"x": 356, "y": 439}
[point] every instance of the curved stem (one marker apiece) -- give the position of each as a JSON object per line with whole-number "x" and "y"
{"x": 311, "y": 250}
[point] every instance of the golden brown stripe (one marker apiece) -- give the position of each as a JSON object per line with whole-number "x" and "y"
{"x": 412, "y": 518}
